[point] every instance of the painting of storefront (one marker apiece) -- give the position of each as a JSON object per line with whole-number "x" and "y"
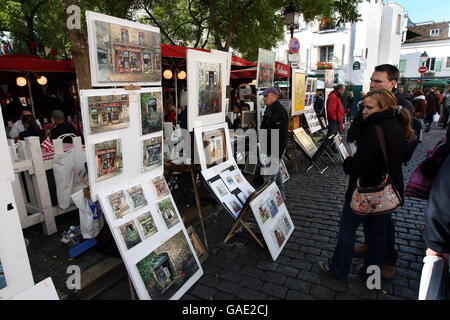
{"x": 108, "y": 113}
{"x": 108, "y": 157}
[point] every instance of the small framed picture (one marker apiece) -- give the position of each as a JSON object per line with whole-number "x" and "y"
{"x": 161, "y": 187}
{"x": 130, "y": 234}
{"x": 119, "y": 204}
{"x": 200, "y": 250}
{"x": 147, "y": 225}
{"x": 152, "y": 153}
{"x": 137, "y": 197}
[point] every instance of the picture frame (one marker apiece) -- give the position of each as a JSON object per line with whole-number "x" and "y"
{"x": 119, "y": 204}
{"x": 199, "y": 248}
{"x": 305, "y": 142}
{"x": 130, "y": 234}
{"x": 151, "y": 112}
{"x": 108, "y": 159}
{"x": 152, "y": 153}
{"x": 161, "y": 187}
{"x": 284, "y": 172}
{"x": 147, "y": 225}
{"x": 167, "y": 211}
{"x": 265, "y": 69}
{"x": 108, "y": 113}
{"x": 298, "y": 92}
{"x": 206, "y": 86}
{"x": 340, "y": 146}
{"x": 123, "y": 52}
{"x": 137, "y": 197}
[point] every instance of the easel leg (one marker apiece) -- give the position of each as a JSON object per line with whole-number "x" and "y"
{"x": 132, "y": 291}
{"x": 199, "y": 208}
{"x": 295, "y": 156}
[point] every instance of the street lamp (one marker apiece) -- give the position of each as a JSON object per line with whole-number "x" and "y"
{"x": 423, "y": 61}
{"x": 291, "y": 15}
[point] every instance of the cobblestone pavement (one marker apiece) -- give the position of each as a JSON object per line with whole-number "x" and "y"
{"x": 241, "y": 269}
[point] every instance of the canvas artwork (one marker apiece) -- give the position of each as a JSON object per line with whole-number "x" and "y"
{"x": 215, "y": 147}
{"x": 2, "y": 277}
{"x": 108, "y": 113}
{"x": 166, "y": 269}
{"x": 311, "y": 118}
{"x": 266, "y": 68}
{"x": 124, "y": 52}
{"x": 147, "y": 225}
{"x": 284, "y": 172}
{"x": 278, "y": 235}
{"x": 219, "y": 188}
{"x": 273, "y": 209}
{"x": 263, "y": 211}
{"x": 209, "y": 88}
{"x": 151, "y": 112}
{"x": 119, "y": 204}
{"x": 130, "y": 234}
{"x": 108, "y": 159}
{"x": 152, "y": 153}
{"x": 309, "y": 84}
{"x": 305, "y": 141}
{"x": 161, "y": 186}
{"x": 307, "y": 99}
{"x": 137, "y": 197}
{"x": 199, "y": 249}
{"x": 168, "y": 213}
{"x": 298, "y": 93}
{"x": 229, "y": 180}
{"x": 285, "y": 224}
{"x": 278, "y": 197}
{"x": 314, "y": 85}
{"x": 234, "y": 205}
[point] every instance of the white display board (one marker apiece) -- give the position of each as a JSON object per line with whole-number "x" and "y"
{"x": 44, "y": 290}
{"x": 123, "y": 52}
{"x": 6, "y": 167}
{"x": 206, "y": 86}
{"x": 273, "y": 219}
{"x": 151, "y": 237}
{"x": 133, "y": 143}
{"x": 312, "y": 119}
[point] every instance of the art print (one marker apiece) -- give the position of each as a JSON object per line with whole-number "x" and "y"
{"x": 2, "y": 277}
{"x": 278, "y": 235}
{"x": 161, "y": 187}
{"x": 209, "y": 88}
{"x": 108, "y": 113}
{"x": 221, "y": 189}
{"x": 124, "y": 53}
{"x": 238, "y": 177}
{"x": 152, "y": 153}
{"x": 284, "y": 172}
{"x": 273, "y": 209}
{"x": 168, "y": 213}
{"x": 130, "y": 234}
{"x": 263, "y": 211}
{"x": 119, "y": 204}
{"x": 166, "y": 269}
{"x": 309, "y": 85}
{"x": 147, "y": 225}
{"x": 242, "y": 197}
{"x": 305, "y": 142}
{"x": 137, "y": 197}
{"x": 299, "y": 92}
{"x": 151, "y": 112}
{"x": 278, "y": 197}
{"x": 215, "y": 147}
{"x": 228, "y": 178}
{"x": 266, "y": 68}
{"x": 108, "y": 159}
{"x": 234, "y": 205}
{"x": 285, "y": 224}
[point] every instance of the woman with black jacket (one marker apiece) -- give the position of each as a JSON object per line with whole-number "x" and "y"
{"x": 368, "y": 164}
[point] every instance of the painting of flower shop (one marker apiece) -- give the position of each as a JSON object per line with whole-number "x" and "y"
{"x": 166, "y": 270}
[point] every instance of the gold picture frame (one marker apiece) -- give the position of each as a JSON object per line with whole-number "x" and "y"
{"x": 199, "y": 248}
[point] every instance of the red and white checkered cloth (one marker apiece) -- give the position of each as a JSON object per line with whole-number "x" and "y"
{"x": 48, "y": 150}
{"x": 48, "y": 146}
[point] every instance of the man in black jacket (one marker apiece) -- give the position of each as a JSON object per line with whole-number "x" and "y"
{"x": 61, "y": 127}
{"x": 275, "y": 123}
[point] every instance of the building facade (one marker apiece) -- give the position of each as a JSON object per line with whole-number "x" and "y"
{"x": 432, "y": 38}
{"x": 352, "y": 49}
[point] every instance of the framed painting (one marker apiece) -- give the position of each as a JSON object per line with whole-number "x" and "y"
{"x": 284, "y": 172}
{"x": 147, "y": 225}
{"x": 161, "y": 187}
{"x": 273, "y": 219}
{"x": 266, "y": 68}
{"x": 206, "y": 86}
{"x": 305, "y": 142}
{"x": 119, "y": 204}
{"x": 122, "y": 52}
{"x": 151, "y": 112}
{"x": 108, "y": 159}
{"x": 168, "y": 213}
{"x": 199, "y": 248}
{"x": 298, "y": 92}
{"x": 151, "y": 153}
{"x": 130, "y": 234}
{"x": 108, "y": 113}
{"x": 137, "y": 197}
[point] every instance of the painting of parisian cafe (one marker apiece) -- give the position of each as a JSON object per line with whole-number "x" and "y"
{"x": 108, "y": 113}
{"x": 108, "y": 159}
{"x": 168, "y": 268}
{"x": 126, "y": 54}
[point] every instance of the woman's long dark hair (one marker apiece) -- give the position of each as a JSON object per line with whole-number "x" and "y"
{"x": 387, "y": 100}
{"x": 30, "y": 121}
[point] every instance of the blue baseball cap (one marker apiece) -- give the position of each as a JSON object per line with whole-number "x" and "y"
{"x": 270, "y": 90}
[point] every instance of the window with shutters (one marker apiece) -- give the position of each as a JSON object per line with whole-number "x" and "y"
{"x": 326, "y": 54}
{"x": 431, "y": 62}
{"x": 434, "y": 32}
{"x": 402, "y": 66}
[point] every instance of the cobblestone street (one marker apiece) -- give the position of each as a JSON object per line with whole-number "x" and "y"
{"x": 241, "y": 269}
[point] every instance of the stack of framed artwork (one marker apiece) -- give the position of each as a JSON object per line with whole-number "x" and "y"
{"x": 341, "y": 147}
{"x": 123, "y": 131}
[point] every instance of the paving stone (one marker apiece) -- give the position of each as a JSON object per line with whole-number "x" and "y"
{"x": 268, "y": 266}
{"x": 274, "y": 290}
{"x": 228, "y": 287}
{"x": 300, "y": 264}
{"x": 406, "y": 293}
{"x": 298, "y": 285}
{"x": 323, "y": 293}
{"x": 288, "y": 271}
{"x": 250, "y": 282}
{"x": 310, "y": 277}
{"x": 250, "y": 294}
{"x": 229, "y": 275}
{"x": 335, "y": 284}
{"x": 209, "y": 280}
{"x": 296, "y": 295}
{"x": 203, "y": 292}
{"x": 274, "y": 277}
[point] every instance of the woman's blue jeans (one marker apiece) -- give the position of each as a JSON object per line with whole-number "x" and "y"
{"x": 377, "y": 236}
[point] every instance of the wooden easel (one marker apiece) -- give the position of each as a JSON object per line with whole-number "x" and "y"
{"x": 244, "y": 216}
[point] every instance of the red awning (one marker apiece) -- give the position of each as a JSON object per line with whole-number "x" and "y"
{"x": 25, "y": 62}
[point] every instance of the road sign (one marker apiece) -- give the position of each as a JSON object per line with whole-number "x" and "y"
{"x": 294, "y": 57}
{"x": 294, "y": 45}
{"x": 422, "y": 69}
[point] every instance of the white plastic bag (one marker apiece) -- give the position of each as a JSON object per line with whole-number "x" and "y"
{"x": 62, "y": 170}
{"x": 436, "y": 117}
{"x": 91, "y": 217}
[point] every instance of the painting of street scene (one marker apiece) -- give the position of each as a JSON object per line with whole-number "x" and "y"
{"x": 165, "y": 270}
{"x": 147, "y": 225}
{"x": 119, "y": 204}
{"x": 168, "y": 212}
{"x": 137, "y": 197}
{"x": 130, "y": 234}
{"x": 108, "y": 113}
{"x": 108, "y": 159}
{"x": 126, "y": 54}
{"x": 209, "y": 88}
{"x": 266, "y": 68}
{"x": 152, "y": 153}
{"x": 151, "y": 112}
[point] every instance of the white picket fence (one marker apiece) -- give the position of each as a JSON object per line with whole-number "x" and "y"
{"x": 27, "y": 158}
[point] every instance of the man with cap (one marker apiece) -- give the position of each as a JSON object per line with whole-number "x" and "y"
{"x": 275, "y": 122}
{"x": 61, "y": 127}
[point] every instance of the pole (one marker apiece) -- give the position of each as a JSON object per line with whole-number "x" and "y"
{"x": 176, "y": 97}
{"x": 421, "y": 82}
{"x": 31, "y": 96}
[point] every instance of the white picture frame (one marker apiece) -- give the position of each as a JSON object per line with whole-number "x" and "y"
{"x": 272, "y": 219}
{"x": 131, "y": 139}
{"x": 195, "y": 60}
{"x": 102, "y": 46}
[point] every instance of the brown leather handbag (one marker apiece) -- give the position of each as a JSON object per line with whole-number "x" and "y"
{"x": 380, "y": 199}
